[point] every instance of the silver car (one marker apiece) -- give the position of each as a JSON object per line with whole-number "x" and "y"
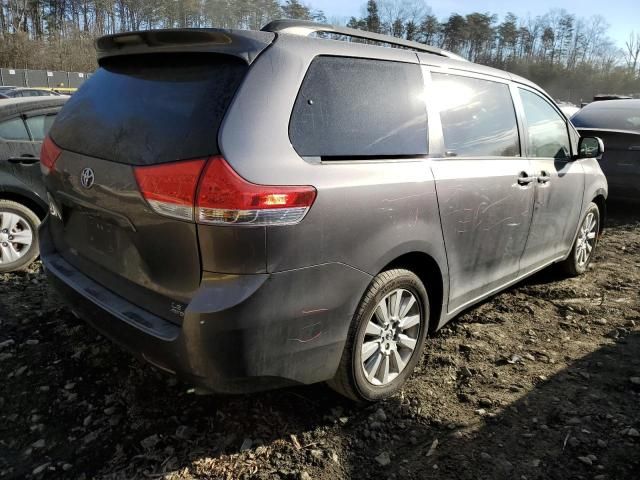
{"x": 250, "y": 210}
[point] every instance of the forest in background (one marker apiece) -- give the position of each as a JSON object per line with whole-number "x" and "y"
{"x": 571, "y": 57}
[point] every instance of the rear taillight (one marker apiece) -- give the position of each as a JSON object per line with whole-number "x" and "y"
{"x": 170, "y": 189}
{"x": 219, "y": 196}
{"x": 225, "y": 198}
{"x": 49, "y": 154}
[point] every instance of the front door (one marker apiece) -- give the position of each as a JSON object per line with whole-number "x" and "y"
{"x": 559, "y": 185}
{"x": 19, "y": 154}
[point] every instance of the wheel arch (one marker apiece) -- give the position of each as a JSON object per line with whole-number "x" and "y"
{"x": 36, "y": 207}
{"x": 601, "y": 202}
{"x": 430, "y": 273}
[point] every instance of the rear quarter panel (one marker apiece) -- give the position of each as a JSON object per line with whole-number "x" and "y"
{"x": 367, "y": 213}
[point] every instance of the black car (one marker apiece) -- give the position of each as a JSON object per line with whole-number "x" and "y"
{"x": 617, "y": 122}
{"x": 24, "y": 122}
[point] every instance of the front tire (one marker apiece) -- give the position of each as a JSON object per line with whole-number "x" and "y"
{"x": 386, "y": 337}
{"x": 18, "y": 236}
{"x": 585, "y": 243}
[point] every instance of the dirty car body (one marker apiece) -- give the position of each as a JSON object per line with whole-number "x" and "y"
{"x": 23, "y": 200}
{"x": 20, "y": 177}
{"x": 237, "y": 299}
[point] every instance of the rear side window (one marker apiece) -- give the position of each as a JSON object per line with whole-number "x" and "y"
{"x": 546, "y": 128}
{"x": 14, "y": 129}
{"x": 149, "y": 109}
{"x": 478, "y": 117}
{"x": 39, "y": 125}
{"x": 350, "y": 107}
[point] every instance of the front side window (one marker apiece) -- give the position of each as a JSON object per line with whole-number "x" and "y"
{"x": 354, "y": 107}
{"x": 39, "y": 126}
{"x": 547, "y": 130}
{"x": 14, "y": 129}
{"x": 478, "y": 117}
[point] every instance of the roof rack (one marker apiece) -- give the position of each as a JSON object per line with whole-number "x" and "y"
{"x": 306, "y": 28}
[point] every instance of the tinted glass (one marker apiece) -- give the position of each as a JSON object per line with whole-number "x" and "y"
{"x": 39, "y": 126}
{"x": 616, "y": 118}
{"x": 350, "y": 107}
{"x": 150, "y": 109}
{"x": 478, "y": 117}
{"x": 14, "y": 129}
{"x": 548, "y": 136}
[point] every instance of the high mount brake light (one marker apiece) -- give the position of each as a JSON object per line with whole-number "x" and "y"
{"x": 219, "y": 196}
{"x": 49, "y": 153}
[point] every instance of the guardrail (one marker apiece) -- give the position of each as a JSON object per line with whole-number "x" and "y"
{"x": 19, "y": 77}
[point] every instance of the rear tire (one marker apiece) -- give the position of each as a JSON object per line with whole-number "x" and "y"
{"x": 386, "y": 337}
{"x": 18, "y": 236}
{"x": 584, "y": 246}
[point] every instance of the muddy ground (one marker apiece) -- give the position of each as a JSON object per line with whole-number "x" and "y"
{"x": 540, "y": 382}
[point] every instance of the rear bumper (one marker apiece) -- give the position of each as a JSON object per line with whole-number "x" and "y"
{"x": 240, "y": 333}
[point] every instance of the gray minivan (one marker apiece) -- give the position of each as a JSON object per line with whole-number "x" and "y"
{"x": 251, "y": 210}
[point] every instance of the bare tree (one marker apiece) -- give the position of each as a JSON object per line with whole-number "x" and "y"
{"x": 559, "y": 50}
{"x": 632, "y": 52}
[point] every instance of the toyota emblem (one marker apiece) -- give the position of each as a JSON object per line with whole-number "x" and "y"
{"x": 87, "y": 178}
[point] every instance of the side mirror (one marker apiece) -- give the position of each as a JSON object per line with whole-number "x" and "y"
{"x": 590, "y": 147}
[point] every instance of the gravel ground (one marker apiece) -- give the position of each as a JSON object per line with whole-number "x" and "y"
{"x": 540, "y": 382}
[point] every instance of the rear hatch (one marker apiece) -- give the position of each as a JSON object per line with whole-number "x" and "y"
{"x": 137, "y": 115}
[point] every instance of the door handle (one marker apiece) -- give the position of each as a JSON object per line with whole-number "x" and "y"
{"x": 544, "y": 177}
{"x": 525, "y": 179}
{"x": 24, "y": 160}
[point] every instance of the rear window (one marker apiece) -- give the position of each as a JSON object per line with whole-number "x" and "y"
{"x": 350, "y": 107}
{"x": 150, "y": 109}
{"x": 613, "y": 118}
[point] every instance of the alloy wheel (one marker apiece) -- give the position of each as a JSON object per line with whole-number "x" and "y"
{"x": 586, "y": 239}
{"x": 391, "y": 337}
{"x": 16, "y": 237}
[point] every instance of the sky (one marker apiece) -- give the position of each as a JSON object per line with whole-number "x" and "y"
{"x": 623, "y": 16}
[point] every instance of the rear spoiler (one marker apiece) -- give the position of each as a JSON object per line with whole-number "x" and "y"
{"x": 245, "y": 44}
